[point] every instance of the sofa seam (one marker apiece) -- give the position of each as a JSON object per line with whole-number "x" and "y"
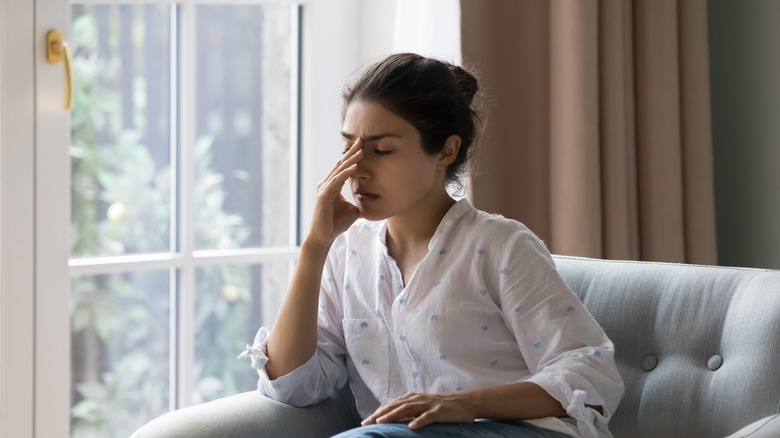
{"x": 718, "y": 267}
{"x": 768, "y": 420}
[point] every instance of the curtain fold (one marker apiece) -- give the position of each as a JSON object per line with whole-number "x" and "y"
{"x": 598, "y": 124}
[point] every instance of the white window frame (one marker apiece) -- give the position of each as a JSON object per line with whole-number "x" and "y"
{"x": 183, "y": 260}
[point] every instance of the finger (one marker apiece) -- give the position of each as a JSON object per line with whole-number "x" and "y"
{"x": 336, "y": 182}
{"x": 423, "y": 420}
{"x": 357, "y": 146}
{"x": 382, "y": 411}
{"x": 351, "y": 161}
{"x": 403, "y": 412}
{"x": 390, "y": 406}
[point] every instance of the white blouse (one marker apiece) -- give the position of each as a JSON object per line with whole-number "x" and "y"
{"x": 485, "y": 307}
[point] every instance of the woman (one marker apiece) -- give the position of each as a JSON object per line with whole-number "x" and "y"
{"x": 444, "y": 320}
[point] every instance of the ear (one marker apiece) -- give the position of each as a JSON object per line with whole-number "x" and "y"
{"x": 449, "y": 152}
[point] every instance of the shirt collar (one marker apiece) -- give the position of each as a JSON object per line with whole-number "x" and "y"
{"x": 450, "y": 218}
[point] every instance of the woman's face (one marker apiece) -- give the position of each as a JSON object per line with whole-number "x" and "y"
{"x": 395, "y": 177}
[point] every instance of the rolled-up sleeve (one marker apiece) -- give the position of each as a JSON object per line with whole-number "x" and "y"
{"x": 323, "y": 373}
{"x": 566, "y": 350}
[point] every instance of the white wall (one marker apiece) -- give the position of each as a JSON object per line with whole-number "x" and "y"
{"x": 341, "y": 36}
{"x": 377, "y": 24}
{"x": 745, "y": 77}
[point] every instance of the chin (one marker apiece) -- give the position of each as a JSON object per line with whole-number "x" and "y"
{"x": 370, "y": 214}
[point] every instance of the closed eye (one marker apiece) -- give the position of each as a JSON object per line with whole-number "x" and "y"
{"x": 380, "y": 152}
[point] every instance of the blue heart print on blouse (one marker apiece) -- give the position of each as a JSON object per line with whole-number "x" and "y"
{"x": 483, "y": 292}
{"x": 442, "y": 252}
{"x": 434, "y": 317}
{"x": 352, "y": 252}
{"x": 365, "y": 362}
{"x": 480, "y": 252}
{"x": 484, "y": 328}
{"x": 504, "y": 271}
{"x": 494, "y": 362}
{"x": 518, "y": 308}
{"x": 597, "y": 353}
{"x": 570, "y": 309}
{"x": 363, "y": 324}
{"x": 443, "y": 357}
{"x": 537, "y": 344}
{"x": 381, "y": 277}
{"x": 402, "y": 338}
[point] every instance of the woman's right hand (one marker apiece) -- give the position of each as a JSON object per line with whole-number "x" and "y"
{"x": 332, "y": 213}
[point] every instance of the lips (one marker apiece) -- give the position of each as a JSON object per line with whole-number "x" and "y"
{"x": 364, "y": 196}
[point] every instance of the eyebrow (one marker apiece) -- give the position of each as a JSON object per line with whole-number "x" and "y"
{"x": 368, "y": 138}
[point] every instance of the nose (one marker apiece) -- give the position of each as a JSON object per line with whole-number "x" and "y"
{"x": 363, "y": 169}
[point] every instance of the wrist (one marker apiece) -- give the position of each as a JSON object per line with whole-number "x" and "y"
{"x": 315, "y": 246}
{"x": 472, "y": 400}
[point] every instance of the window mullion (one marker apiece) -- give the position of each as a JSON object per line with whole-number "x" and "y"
{"x": 185, "y": 334}
{"x": 295, "y": 125}
{"x": 174, "y": 272}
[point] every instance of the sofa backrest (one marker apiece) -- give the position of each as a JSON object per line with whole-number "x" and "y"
{"x": 697, "y": 346}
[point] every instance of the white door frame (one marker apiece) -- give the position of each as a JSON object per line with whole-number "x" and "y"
{"x": 17, "y": 94}
{"x": 34, "y": 224}
{"x": 52, "y": 229}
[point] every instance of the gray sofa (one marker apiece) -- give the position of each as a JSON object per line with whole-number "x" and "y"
{"x": 698, "y": 348}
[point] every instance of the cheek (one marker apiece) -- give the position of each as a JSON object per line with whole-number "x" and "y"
{"x": 421, "y": 175}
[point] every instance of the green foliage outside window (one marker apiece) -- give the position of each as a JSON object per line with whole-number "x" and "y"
{"x": 121, "y": 204}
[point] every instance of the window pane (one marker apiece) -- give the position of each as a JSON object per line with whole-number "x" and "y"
{"x": 120, "y": 352}
{"x": 120, "y": 131}
{"x": 231, "y": 303}
{"x": 243, "y": 151}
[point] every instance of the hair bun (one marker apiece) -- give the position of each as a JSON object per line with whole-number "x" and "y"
{"x": 466, "y": 81}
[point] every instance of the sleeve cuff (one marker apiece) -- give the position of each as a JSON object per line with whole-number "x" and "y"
{"x": 257, "y": 351}
{"x": 283, "y": 388}
{"x": 590, "y": 423}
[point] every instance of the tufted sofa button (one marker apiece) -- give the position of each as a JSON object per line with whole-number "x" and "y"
{"x": 649, "y": 362}
{"x": 715, "y": 362}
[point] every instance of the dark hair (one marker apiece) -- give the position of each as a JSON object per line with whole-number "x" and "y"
{"x": 436, "y": 97}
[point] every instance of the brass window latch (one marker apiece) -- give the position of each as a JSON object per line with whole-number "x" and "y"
{"x": 57, "y": 50}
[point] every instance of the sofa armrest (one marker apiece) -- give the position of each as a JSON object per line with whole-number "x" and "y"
{"x": 251, "y": 414}
{"x": 767, "y": 427}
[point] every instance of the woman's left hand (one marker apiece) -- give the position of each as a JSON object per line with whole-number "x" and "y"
{"x": 423, "y": 409}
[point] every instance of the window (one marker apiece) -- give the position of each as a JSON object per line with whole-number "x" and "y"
{"x": 185, "y": 206}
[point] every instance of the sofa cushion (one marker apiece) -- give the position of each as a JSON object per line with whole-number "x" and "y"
{"x": 768, "y": 427}
{"x": 697, "y": 346}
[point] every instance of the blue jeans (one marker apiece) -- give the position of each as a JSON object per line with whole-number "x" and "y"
{"x": 486, "y": 429}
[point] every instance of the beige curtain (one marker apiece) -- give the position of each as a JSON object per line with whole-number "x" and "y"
{"x": 598, "y": 124}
